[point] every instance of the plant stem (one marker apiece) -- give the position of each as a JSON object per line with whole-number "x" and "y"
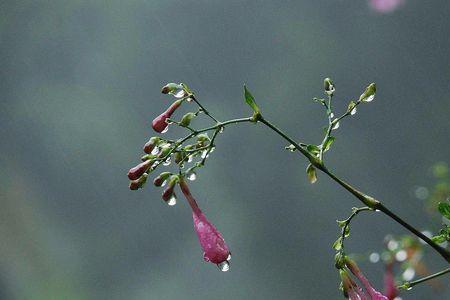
{"x": 367, "y": 200}
{"x": 410, "y": 284}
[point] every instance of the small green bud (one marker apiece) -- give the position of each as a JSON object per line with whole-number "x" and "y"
{"x": 186, "y": 120}
{"x": 164, "y": 151}
{"x": 171, "y": 88}
{"x": 328, "y": 86}
{"x": 148, "y": 157}
{"x": 369, "y": 93}
{"x": 159, "y": 180}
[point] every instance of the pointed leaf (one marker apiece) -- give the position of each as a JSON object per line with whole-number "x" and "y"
{"x": 328, "y": 142}
{"x": 250, "y": 100}
{"x": 444, "y": 209}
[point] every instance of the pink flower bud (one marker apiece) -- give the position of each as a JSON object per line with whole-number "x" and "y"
{"x": 136, "y": 172}
{"x": 215, "y": 249}
{"x": 353, "y": 267}
{"x": 150, "y": 145}
{"x": 159, "y": 124}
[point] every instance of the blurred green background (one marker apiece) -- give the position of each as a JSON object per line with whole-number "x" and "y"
{"x": 80, "y": 84}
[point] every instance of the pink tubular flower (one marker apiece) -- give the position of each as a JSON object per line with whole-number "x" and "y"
{"x": 374, "y": 294}
{"x": 159, "y": 124}
{"x": 215, "y": 249}
{"x": 351, "y": 290}
{"x": 390, "y": 289}
{"x": 385, "y": 6}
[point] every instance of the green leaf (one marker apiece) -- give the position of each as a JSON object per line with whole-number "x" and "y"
{"x": 313, "y": 149}
{"x": 338, "y": 244}
{"x": 328, "y": 142}
{"x": 311, "y": 172}
{"x": 250, "y": 100}
{"x": 444, "y": 209}
{"x": 439, "y": 238}
{"x": 341, "y": 223}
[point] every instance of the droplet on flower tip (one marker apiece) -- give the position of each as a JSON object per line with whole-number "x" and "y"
{"x": 221, "y": 129}
{"x": 204, "y": 154}
{"x": 189, "y": 99}
{"x": 165, "y": 129}
{"x": 164, "y": 183}
{"x": 335, "y": 126}
{"x": 353, "y": 111}
{"x": 370, "y": 98}
{"x": 224, "y": 266}
{"x": 229, "y": 257}
{"x": 190, "y": 159}
{"x": 172, "y": 200}
{"x": 331, "y": 115}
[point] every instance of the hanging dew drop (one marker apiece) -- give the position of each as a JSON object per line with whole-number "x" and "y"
{"x": 212, "y": 149}
{"x": 179, "y": 94}
{"x": 172, "y": 201}
{"x": 331, "y": 115}
{"x": 155, "y": 151}
{"x": 164, "y": 183}
{"x": 192, "y": 176}
{"x": 167, "y": 162}
{"x": 370, "y": 98}
{"x": 224, "y": 266}
{"x": 204, "y": 154}
{"x": 165, "y": 129}
{"x": 353, "y": 111}
{"x": 229, "y": 257}
{"x": 190, "y": 159}
{"x": 335, "y": 126}
{"x": 221, "y": 129}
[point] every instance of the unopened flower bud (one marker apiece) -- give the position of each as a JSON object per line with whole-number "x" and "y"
{"x": 159, "y": 124}
{"x": 369, "y": 93}
{"x": 186, "y": 120}
{"x": 169, "y": 191}
{"x": 158, "y": 181}
{"x": 147, "y": 157}
{"x": 136, "y": 172}
{"x": 328, "y": 86}
{"x": 171, "y": 88}
{"x": 138, "y": 183}
{"x": 150, "y": 145}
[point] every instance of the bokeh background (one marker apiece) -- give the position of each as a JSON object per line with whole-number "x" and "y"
{"x": 80, "y": 84}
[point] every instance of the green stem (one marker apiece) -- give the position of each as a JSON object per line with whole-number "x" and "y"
{"x": 408, "y": 285}
{"x": 367, "y": 200}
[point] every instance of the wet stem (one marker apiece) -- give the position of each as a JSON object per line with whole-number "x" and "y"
{"x": 370, "y": 202}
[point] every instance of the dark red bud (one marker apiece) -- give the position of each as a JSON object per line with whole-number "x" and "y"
{"x": 168, "y": 192}
{"x": 158, "y": 181}
{"x": 136, "y": 172}
{"x": 150, "y": 145}
{"x": 159, "y": 123}
{"x": 138, "y": 183}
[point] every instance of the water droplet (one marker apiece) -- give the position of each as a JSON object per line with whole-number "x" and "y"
{"x": 179, "y": 93}
{"x": 167, "y": 162}
{"x": 212, "y": 149}
{"x": 155, "y": 151}
{"x": 335, "y": 126}
{"x": 165, "y": 129}
{"x": 370, "y": 98}
{"x": 374, "y": 257}
{"x": 172, "y": 201}
{"x": 331, "y": 115}
{"x": 401, "y": 255}
{"x": 191, "y": 176}
{"x": 410, "y": 288}
{"x": 189, "y": 99}
{"x": 224, "y": 266}
{"x": 408, "y": 274}
{"x": 353, "y": 111}
{"x": 190, "y": 159}
{"x": 421, "y": 193}
{"x": 392, "y": 245}
{"x": 221, "y": 129}
{"x": 164, "y": 183}
{"x": 229, "y": 257}
{"x": 205, "y": 154}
